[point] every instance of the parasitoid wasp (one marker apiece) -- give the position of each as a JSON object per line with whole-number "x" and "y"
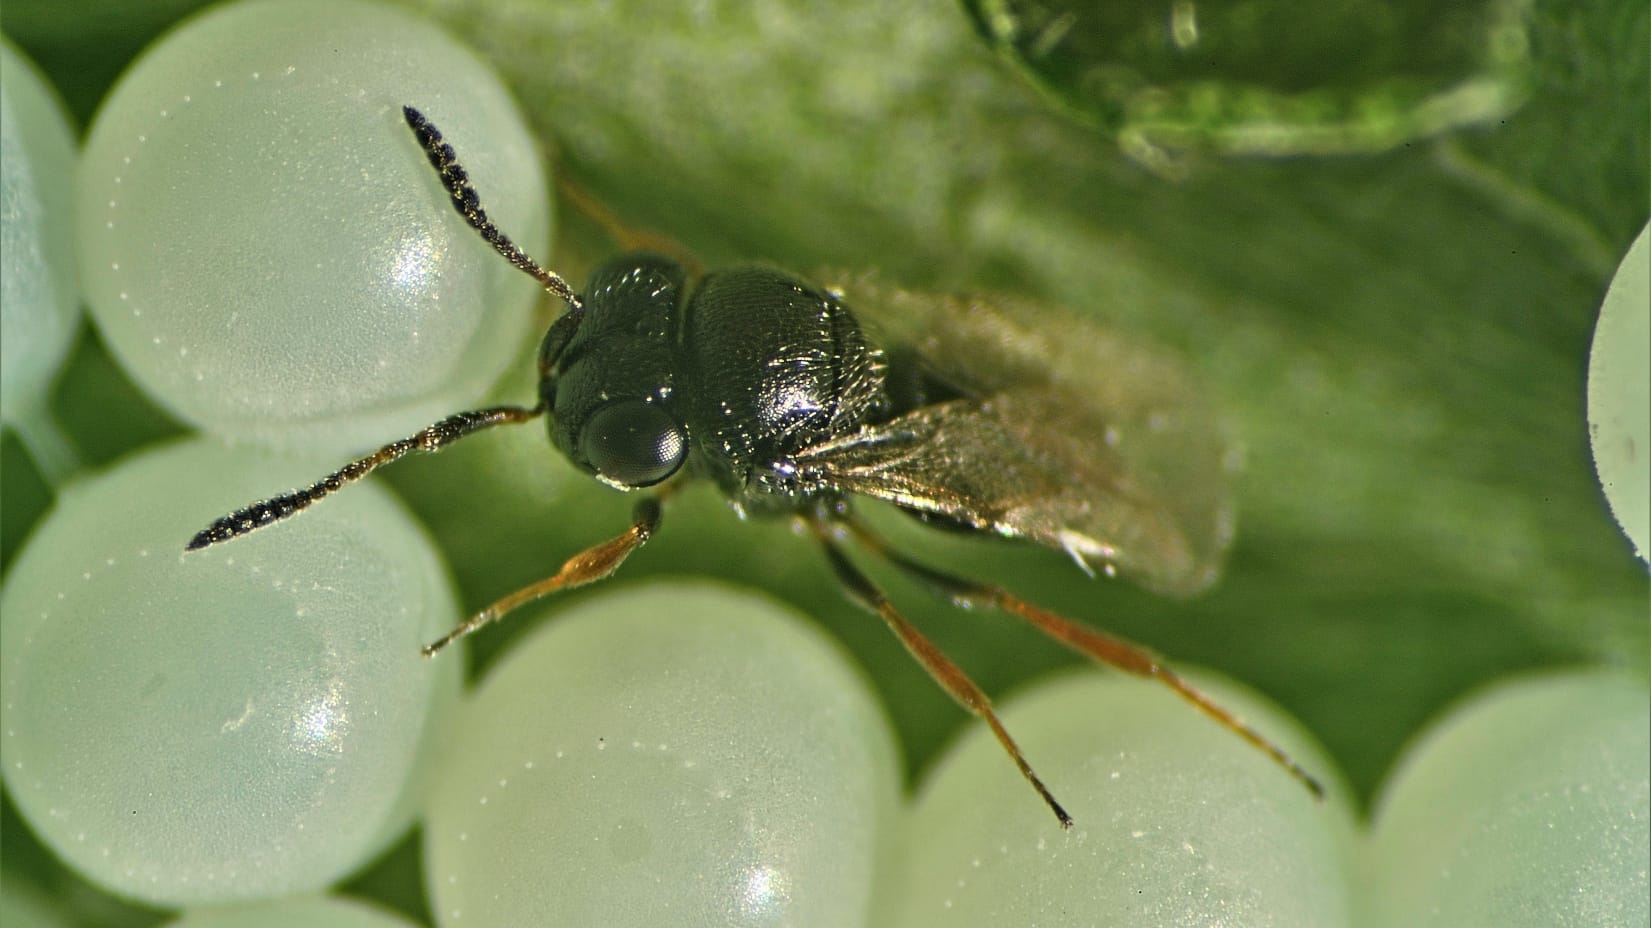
{"x": 770, "y": 387}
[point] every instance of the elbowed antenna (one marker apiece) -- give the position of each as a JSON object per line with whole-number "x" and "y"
{"x": 468, "y": 203}
{"x": 434, "y": 438}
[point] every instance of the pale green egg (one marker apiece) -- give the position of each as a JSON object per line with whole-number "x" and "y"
{"x": 236, "y": 723}
{"x": 677, "y": 754}
{"x": 39, "y": 286}
{"x": 265, "y": 247}
{"x": 1176, "y": 820}
{"x": 1528, "y": 806}
{"x": 1619, "y": 395}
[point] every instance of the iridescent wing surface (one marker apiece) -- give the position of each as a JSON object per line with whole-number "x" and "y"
{"x": 1066, "y": 435}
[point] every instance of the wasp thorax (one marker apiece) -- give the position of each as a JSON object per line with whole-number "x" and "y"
{"x": 771, "y": 365}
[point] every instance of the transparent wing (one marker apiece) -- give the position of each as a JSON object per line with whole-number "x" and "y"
{"x": 1068, "y": 436}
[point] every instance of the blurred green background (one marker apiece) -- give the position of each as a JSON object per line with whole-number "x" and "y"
{"x": 1398, "y": 337}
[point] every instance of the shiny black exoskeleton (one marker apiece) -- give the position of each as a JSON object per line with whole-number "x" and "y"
{"x": 732, "y": 377}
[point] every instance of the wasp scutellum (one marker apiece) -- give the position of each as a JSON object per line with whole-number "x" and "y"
{"x": 980, "y": 415}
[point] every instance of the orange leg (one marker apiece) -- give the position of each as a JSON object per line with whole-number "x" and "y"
{"x": 1094, "y": 644}
{"x": 588, "y": 566}
{"x": 950, "y": 676}
{"x": 626, "y": 237}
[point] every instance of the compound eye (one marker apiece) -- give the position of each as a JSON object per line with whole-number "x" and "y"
{"x": 633, "y": 443}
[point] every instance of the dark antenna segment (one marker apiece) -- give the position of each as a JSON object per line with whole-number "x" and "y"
{"x": 468, "y": 203}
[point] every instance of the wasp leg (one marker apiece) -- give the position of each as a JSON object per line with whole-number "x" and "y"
{"x": 628, "y": 238}
{"x": 434, "y": 438}
{"x": 588, "y": 566}
{"x": 1094, "y": 644}
{"x": 950, "y": 676}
